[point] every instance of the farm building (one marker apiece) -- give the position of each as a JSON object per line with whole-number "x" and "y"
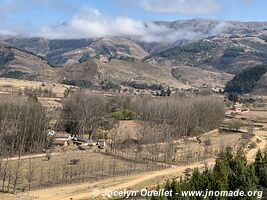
{"x": 62, "y": 139}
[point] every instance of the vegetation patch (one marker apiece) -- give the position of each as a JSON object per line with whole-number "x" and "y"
{"x": 231, "y": 173}
{"x": 123, "y": 115}
{"x": 195, "y": 47}
{"x": 84, "y": 58}
{"x": 109, "y": 86}
{"x": 246, "y": 80}
{"x": 78, "y": 83}
{"x": 143, "y": 86}
{"x": 233, "y": 52}
{"x": 13, "y": 74}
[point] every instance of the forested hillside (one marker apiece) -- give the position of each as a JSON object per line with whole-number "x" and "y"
{"x": 246, "y": 80}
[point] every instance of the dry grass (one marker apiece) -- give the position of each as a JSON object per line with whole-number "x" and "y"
{"x": 12, "y": 86}
{"x": 91, "y": 167}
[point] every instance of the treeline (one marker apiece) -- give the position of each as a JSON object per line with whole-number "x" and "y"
{"x": 186, "y": 116}
{"x": 231, "y": 172}
{"x": 246, "y": 80}
{"x": 42, "y": 91}
{"x": 13, "y": 74}
{"x": 78, "y": 83}
{"x": 195, "y": 47}
{"x": 142, "y": 86}
{"x": 22, "y": 127}
{"x": 26, "y": 174}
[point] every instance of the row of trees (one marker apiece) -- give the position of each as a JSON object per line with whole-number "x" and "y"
{"x": 24, "y": 175}
{"x": 185, "y": 116}
{"x": 22, "y": 126}
{"x": 231, "y": 172}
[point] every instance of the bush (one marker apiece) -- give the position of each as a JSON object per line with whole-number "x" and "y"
{"x": 48, "y": 155}
{"x": 110, "y": 86}
{"x": 123, "y": 115}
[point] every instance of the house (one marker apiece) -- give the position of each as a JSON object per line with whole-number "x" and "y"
{"x": 62, "y": 139}
{"x": 101, "y": 143}
{"x": 78, "y": 141}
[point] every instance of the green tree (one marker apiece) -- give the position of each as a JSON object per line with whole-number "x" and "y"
{"x": 168, "y": 92}
{"x": 232, "y": 96}
{"x": 163, "y": 93}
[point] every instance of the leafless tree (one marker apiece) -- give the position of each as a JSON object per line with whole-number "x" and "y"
{"x": 30, "y": 173}
{"x": 82, "y": 113}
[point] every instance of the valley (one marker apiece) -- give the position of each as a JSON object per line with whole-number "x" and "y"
{"x": 82, "y": 115}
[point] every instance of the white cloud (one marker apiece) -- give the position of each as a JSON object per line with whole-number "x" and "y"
{"x": 189, "y": 7}
{"x": 8, "y": 33}
{"x": 91, "y": 23}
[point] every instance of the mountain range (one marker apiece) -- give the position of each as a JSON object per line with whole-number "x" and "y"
{"x": 197, "y": 52}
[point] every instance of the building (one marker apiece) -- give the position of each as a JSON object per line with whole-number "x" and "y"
{"x": 62, "y": 139}
{"x": 101, "y": 143}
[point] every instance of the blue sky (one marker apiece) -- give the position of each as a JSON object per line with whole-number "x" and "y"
{"x": 27, "y": 16}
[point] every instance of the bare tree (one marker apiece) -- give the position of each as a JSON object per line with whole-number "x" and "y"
{"x": 30, "y": 173}
{"x": 17, "y": 175}
{"x": 82, "y": 113}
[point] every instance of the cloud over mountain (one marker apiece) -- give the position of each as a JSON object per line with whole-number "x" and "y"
{"x": 91, "y": 23}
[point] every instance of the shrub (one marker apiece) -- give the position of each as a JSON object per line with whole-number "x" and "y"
{"x": 123, "y": 115}
{"x": 110, "y": 86}
{"x": 48, "y": 155}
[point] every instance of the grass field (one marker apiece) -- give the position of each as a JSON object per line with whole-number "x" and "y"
{"x": 12, "y": 86}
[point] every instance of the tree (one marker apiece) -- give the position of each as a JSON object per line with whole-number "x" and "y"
{"x": 232, "y": 96}
{"x": 82, "y": 113}
{"x": 168, "y": 92}
{"x": 30, "y": 173}
{"x": 163, "y": 93}
{"x": 23, "y": 125}
{"x": 231, "y": 172}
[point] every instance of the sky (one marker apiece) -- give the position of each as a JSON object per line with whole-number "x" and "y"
{"x": 97, "y": 18}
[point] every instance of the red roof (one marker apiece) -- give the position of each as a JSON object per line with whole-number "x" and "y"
{"x": 62, "y": 135}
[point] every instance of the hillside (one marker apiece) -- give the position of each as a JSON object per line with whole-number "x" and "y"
{"x": 213, "y": 49}
{"x": 24, "y": 65}
{"x": 227, "y": 53}
{"x": 247, "y": 80}
{"x": 6, "y": 54}
{"x": 119, "y": 71}
{"x": 68, "y": 51}
{"x": 198, "y": 77}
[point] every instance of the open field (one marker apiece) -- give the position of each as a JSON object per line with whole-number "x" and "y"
{"x": 14, "y": 86}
